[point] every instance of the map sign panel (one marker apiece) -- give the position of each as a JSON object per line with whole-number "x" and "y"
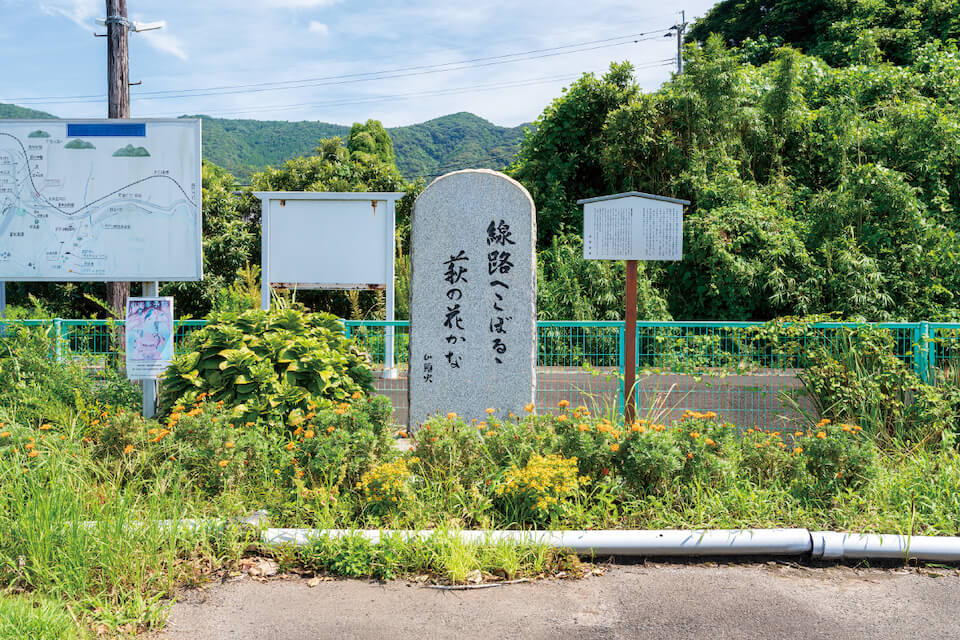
{"x": 149, "y": 331}
{"x": 95, "y": 200}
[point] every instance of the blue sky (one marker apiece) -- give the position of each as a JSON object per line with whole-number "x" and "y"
{"x": 326, "y": 59}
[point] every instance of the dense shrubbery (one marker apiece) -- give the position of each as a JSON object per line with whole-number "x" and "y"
{"x": 280, "y": 366}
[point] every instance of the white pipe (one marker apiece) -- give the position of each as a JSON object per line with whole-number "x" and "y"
{"x": 826, "y": 545}
{"x": 720, "y": 542}
{"x": 830, "y": 545}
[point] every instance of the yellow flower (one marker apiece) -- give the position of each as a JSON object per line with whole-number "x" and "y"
{"x": 128, "y": 448}
{"x": 308, "y": 434}
{"x": 223, "y": 463}
{"x": 529, "y": 408}
{"x": 451, "y": 416}
{"x": 45, "y": 427}
{"x": 563, "y": 404}
{"x": 821, "y": 435}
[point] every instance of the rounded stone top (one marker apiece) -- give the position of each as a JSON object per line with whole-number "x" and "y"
{"x": 479, "y": 174}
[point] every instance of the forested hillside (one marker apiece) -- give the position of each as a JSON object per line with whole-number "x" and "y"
{"x": 816, "y": 187}
{"x": 243, "y": 147}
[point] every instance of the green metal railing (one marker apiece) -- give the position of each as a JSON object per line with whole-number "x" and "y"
{"x": 748, "y": 372}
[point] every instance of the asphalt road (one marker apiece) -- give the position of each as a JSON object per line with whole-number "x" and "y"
{"x": 763, "y": 601}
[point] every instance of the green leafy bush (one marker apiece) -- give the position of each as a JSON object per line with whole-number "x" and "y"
{"x": 767, "y": 458}
{"x": 837, "y": 457}
{"x": 274, "y": 366}
{"x": 448, "y": 448}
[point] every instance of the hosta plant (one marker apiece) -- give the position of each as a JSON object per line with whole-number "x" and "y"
{"x": 276, "y": 366}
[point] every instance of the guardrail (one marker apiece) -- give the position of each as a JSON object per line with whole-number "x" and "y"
{"x": 743, "y": 370}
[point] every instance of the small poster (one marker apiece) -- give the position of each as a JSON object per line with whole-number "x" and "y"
{"x": 149, "y": 330}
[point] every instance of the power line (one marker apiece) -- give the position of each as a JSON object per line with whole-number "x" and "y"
{"x": 403, "y": 72}
{"x": 438, "y": 92}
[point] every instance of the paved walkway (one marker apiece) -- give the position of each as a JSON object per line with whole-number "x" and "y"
{"x": 763, "y": 601}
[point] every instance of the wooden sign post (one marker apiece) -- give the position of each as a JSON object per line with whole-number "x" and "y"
{"x": 632, "y": 226}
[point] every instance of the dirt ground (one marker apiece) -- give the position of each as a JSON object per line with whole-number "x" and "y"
{"x": 765, "y": 600}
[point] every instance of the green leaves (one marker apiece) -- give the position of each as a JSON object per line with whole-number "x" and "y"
{"x": 272, "y": 366}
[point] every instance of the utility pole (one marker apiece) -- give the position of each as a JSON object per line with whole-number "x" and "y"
{"x": 681, "y": 29}
{"x": 118, "y": 101}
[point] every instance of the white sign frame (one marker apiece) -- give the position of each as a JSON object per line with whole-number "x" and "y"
{"x": 197, "y": 273}
{"x": 348, "y": 240}
{"x": 633, "y": 226}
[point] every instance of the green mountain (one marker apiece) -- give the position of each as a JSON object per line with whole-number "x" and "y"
{"x": 457, "y": 141}
{"x": 13, "y": 111}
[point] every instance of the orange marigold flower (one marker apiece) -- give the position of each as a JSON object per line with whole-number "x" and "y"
{"x": 223, "y": 463}
{"x": 562, "y": 418}
{"x": 289, "y": 446}
{"x": 128, "y": 448}
{"x": 33, "y": 454}
{"x": 821, "y": 435}
{"x": 823, "y": 422}
{"x": 845, "y": 427}
{"x": 709, "y": 442}
{"x": 330, "y": 429}
{"x": 490, "y": 411}
{"x": 563, "y": 404}
{"x": 5, "y": 434}
{"x": 690, "y": 455}
{"x": 583, "y": 427}
{"x": 529, "y": 408}
{"x": 228, "y": 445}
{"x": 615, "y": 447}
{"x": 451, "y": 416}
{"x": 694, "y": 435}
{"x": 249, "y": 424}
{"x": 308, "y": 434}
{"x": 45, "y": 427}
{"x": 94, "y": 423}
{"x": 29, "y": 446}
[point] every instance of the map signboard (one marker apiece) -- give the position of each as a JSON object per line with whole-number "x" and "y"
{"x": 100, "y": 200}
{"x": 149, "y": 335}
{"x": 632, "y": 226}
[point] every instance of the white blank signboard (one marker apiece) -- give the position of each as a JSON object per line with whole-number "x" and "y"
{"x": 328, "y": 242}
{"x": 94, "y": 200}
{"x": 632, "y": 226}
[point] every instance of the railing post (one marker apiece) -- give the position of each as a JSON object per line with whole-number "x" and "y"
{"x": 57, "y": 336}
{"x": 621, "y": 362}
{"x": 930, "y": 339}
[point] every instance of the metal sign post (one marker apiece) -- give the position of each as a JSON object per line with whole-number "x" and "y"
{"x": 631, "y": 227}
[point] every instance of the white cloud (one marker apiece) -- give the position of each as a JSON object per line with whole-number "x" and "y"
{"x": 300, "y": 4}
{"x": 319, "y": 28}
{"x": 164, "y": 42}
{"x": 80, "y": 12}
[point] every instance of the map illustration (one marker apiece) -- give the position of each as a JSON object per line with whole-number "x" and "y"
{"x": 95, "y": 200}
{"x": 149, "y": 336}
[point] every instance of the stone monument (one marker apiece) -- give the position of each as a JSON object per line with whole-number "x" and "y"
{"x": 473, "y": 310}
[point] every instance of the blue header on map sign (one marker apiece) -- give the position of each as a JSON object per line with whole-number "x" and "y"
{"x": 112, "y": 130}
